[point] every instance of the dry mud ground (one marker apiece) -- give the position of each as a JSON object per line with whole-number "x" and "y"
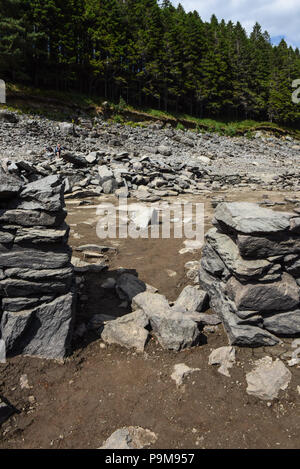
{"x": 79, "y": 403}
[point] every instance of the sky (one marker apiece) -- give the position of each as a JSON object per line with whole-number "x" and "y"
{"x": 280, "y": 18}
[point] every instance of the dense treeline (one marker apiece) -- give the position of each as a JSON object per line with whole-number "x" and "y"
{"x": 151, "y": 54}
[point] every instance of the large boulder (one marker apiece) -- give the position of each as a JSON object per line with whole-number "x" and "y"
{"x": 152, "y": 304}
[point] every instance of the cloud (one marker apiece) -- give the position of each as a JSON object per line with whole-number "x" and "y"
{"x": 278, "y": 17}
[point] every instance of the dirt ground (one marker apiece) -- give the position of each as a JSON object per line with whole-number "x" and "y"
{"x": 100, "y": 388}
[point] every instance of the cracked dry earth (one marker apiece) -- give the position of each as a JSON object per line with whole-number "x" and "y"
{"x": 100, "y": 388}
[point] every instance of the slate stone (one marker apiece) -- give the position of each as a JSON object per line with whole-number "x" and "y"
{"x": 22, "y": 304}
{"x": 10, "y": 186}
{"x": 192, "y": 299}
{"x": 32, "y": 217}
{"x": 212, "y": 262}
{"x": 261, "y": 247}
{"x": 243, "y": 335}
{"x": 128, "y": 286}
{"x": 128, "y": 331}
{"x": 228, "y": 251}
{"x": 43, "y": 194}
{"x": 44, "y": 331}
{"x": 283, "y": 324}
{"x": 42, "y": 258}
{"x": 175, "y": 331}
{"x": 248, "y": 218}
{"x": 19, "y": 288}
{"x": 282, "y": 295}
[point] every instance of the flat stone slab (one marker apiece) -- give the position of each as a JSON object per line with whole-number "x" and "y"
{"x": 247, "y": 218}
{"x": 282, "y": 295}
{"x": 285, "y": 324}
{"x": 128, "y": 331}
{"x": 228, "y": 251}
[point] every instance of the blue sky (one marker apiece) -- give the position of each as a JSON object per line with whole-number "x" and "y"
{"x": 281, "y": 18}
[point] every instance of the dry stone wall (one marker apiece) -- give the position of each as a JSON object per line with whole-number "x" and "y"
{"x": 250, "y": 268}
{"x": 36, "y": 276}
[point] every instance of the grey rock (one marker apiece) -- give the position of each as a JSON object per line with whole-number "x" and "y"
{"x": 40, "y": 274}
{"x": 164, "y": 150}
{"x": 42, "y": 258}
{"x": 152, "y": 304}
{"x": 92, "y": 157}
{"x": 281, "y": 295}
{"x": 109, "y": 186}
{"x": 285, "y": 324}
{"x": 175, "y": 330}
{"x": 268, "y": 378}
{"x": 224, "y": 356}
{"x": 192, "y": 299}
{"x": 130, "y": 438}
{"x": 66, "y": 128}
{"x": 42, "y": 235}
{"x": 32, "y": 217}
{"x": 10, "y": 186}
{"x": 260, "y": 247}
{"x": 228, "y": 251}
{"x": 212, "y": 262}
{"x": 44, "y": 194}
{"x": 19, "y": 288}
{"x": 292, "y": 265}
{"x": 128, "y": 331}
{"x": 44, "y": 331}
{"x": 21, "y": 304}
{"x": 128, "y": 286}
{"x": 248, "y": 218}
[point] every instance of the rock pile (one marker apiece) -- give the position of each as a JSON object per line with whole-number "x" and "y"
{"x": 148, "y": 161}
{"x": 36, "y": 276}
{"x": 175, "y": 328}
{"x": 250, "y": 268}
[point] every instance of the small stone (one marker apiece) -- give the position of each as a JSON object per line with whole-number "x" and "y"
{"x": 268, "y": 378}
{"x": 224, "y": 356}
{"x": 181, "y": 371}
{"x": 130, "y": 438}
